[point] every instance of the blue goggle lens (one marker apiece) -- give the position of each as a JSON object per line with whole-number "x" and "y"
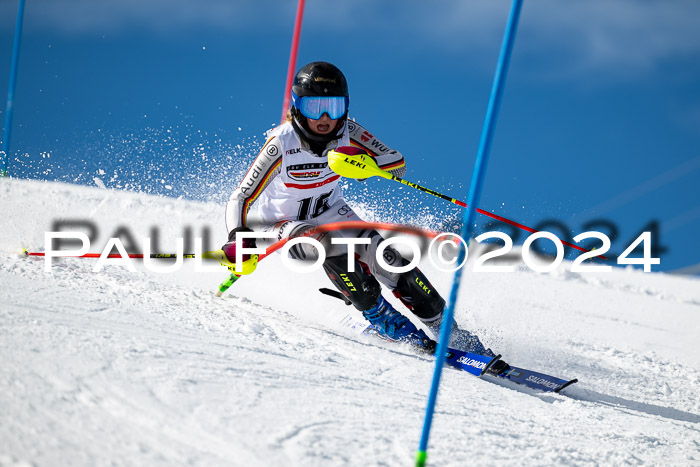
{"x": 314, "y": 107}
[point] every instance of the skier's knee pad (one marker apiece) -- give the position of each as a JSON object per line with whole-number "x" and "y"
{"x": 361, "y": 288}
{"x": 418, "y": 294}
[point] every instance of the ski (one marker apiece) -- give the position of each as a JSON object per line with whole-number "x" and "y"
{"x": 478, "y": 365}
{"x": 472, "y": 363}
{"x": 536, "y": 380}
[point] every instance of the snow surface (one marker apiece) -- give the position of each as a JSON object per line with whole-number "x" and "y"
{"x": 139, "y": 368}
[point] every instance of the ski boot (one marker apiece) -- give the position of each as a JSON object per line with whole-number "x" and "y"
{"x": 363, "y": 291}
{"x": 393, "y": 326}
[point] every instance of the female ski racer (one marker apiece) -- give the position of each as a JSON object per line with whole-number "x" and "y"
{"x": 295, "y": 190}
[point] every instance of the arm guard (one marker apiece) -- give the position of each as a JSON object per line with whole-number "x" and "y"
{"x": 387, "y": 159}
{"x": 263, "y": 170}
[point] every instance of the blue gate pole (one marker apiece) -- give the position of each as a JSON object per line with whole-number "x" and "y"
{"x": 11, "y": 92}
{"x": 469, "y": 215}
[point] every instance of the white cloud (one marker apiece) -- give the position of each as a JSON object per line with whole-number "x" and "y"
{"x": 559, "y": 38}
{"x": 573, "y": 37}
{"x": 629, "y": 36}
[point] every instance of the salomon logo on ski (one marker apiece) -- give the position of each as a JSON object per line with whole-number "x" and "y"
{"x": 542, "y": 382}
{"x": 471, "y": 362}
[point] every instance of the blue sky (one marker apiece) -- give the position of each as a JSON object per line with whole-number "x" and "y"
{"x": 600, "y": 118}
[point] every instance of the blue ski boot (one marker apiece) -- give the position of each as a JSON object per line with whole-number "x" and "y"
{"x": 393, "y": 326}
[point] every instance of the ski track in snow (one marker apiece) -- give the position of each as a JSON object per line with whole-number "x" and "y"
{"x": 139, "y": 368}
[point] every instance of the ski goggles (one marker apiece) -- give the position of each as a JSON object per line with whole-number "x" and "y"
{"x": 314, "y": 107}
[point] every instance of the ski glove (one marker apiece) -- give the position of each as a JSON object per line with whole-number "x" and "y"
{"x": 227, "y": 254}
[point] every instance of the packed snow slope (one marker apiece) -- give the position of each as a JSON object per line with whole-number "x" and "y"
{"x": 123, "y": 367}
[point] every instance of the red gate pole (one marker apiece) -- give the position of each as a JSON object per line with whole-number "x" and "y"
{"x": 292, "y": 59}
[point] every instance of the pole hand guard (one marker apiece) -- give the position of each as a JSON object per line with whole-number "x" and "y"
{"x": 352, "y": 162}
{"x": 246, "y": 267}
{"x": 227, "y": 254}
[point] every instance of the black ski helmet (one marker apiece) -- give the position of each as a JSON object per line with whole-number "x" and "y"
{"x": 318, "y": 79}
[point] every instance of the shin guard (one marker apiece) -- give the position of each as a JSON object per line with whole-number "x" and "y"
{"x": 360, "y": 287}
{"x": 417, "y": 293}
